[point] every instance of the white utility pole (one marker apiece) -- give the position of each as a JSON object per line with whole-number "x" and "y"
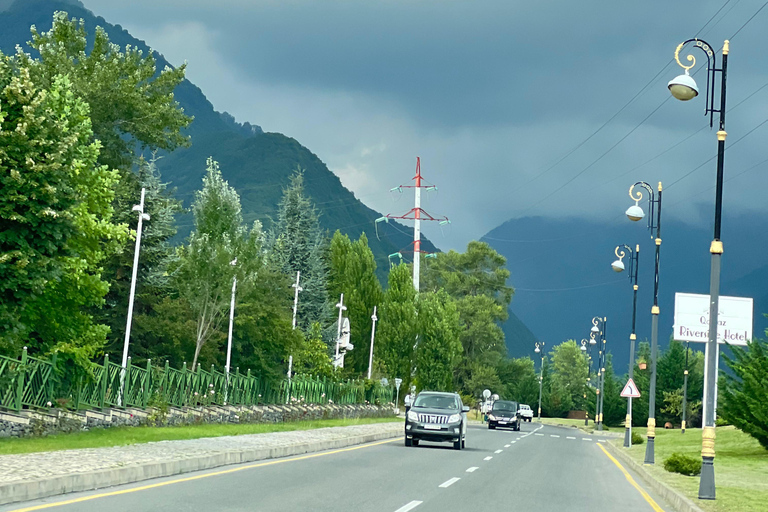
{"x": 417, "y": 231}
{"x": 142, "y": 217}
{"x": 231, "y": 321}
{"x": 373, "y": 334}
{"x": 295, "y": 309}
{"x": 342, "y": 308}
{"x": 296, "y": 296}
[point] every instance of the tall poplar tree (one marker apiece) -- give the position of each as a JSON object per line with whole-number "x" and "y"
{"x": 396, "y": 331}
{"x": 353, "y": 272}
{"x": 298, "y": 245}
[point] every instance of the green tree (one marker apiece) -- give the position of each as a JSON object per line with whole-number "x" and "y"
{"x": 56, "y": 216}
{"x": 218, "y": 250}
{"x": 298, "y": 245}
{"x": 312, "y": 357}
{"x": 396, "y": 331}
{"x": 156, "y": 254}
{"x": 131, "y": 104}
{"x": 519, "y": 379}
{"x": 745, "y": 396}
{"x": 570, "y": 372}
{"x": 438, "y": 349}
{"x": 352, "y": 271}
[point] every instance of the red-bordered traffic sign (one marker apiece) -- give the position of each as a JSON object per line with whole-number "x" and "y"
{"x": 630, "y": 390}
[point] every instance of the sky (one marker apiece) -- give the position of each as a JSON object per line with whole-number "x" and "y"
{"x": 550, "y": 108}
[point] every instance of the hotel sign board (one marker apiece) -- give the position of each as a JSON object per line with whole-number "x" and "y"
{"x": 692, "y": 319}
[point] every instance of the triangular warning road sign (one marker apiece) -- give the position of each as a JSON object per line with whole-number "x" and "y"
{"x": 630, "y": 390}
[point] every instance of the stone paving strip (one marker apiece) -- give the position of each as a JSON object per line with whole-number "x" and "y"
{"x": 37, "y": 475}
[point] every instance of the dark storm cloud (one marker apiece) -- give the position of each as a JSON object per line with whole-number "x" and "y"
{"x": 489, "y": 93}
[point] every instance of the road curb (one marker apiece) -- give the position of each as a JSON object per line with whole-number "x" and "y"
{"x": 673, "y": 497}
{"x": 46, "y": 487}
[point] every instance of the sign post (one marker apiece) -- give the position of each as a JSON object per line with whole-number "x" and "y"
{"x": 629, "y": 392}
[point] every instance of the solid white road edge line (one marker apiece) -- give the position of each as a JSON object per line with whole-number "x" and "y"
{"x": 472, "y": 469}
{"x": 409, "y": 506}
{"x": 450, "y": 482}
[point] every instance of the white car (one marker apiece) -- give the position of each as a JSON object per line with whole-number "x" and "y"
{"x": 526, "y": 413}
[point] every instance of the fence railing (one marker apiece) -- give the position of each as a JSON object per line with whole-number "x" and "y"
{"x": 30, "y": 382}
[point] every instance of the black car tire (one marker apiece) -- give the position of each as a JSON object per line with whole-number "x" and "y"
{"x": 415, "y": 442}
{"x": 491, "y": 427}
{"x": 408, "y": 442}
{"x": 463, "y": 444}
{"x": 457, "y": 445}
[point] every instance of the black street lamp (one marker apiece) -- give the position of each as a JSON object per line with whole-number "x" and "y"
{"x": 685, "y": 390}
{"x": 598, "y": 330}
{"x": 588, "y": 344}
{"x": 636, "y": 213}
{"x": 684, "y": 88}
{"x": 618, "y": 266}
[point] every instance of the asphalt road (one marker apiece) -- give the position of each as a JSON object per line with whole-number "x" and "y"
{"x": 542, "y": 468}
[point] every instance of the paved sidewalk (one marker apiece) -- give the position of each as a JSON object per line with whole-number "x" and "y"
{"x": 35, "y": 475}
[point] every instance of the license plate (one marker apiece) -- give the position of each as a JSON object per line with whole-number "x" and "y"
{"x": 502, "y": 423}
{"x": 432, "y": 427}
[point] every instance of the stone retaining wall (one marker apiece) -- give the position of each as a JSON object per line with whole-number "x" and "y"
{"x": 30, "y": 423}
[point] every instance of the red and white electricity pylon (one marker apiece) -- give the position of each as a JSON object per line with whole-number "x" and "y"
{"x": 416, "y": 214}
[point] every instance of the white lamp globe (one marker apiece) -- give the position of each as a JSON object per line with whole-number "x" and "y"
{"x": 635, "y": 213}
{"x": 595, "y": 329}
{"x": 617, "y": 266}
{"x": 592, "y": 341}
{"x": 683, "y": 87}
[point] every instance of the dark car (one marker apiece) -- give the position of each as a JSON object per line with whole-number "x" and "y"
{"x": 437, "y": 417}
{"x": 504, "y": 413}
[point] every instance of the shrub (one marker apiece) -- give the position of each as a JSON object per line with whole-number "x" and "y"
{"x": 683, "y": 464}
{"x": 637, "y": 438}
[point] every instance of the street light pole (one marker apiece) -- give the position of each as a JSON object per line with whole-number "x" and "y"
{"x": 618, "y": 266}
{"x": 539, "y": 349}
{"x": 373, "y": 334}
{"x": 229, "y": 335}
{"x": 636, "y": 213}
{"x": 600, "y": 334}
{"x": 142, "y": 217}
{"x": 295, "y": 309}
{"x": 587, "y": 344}
{"x": 684, "y": 88}
{"x": 685, "y": 389}
{"x": 342, "y": 308}
{"x": 602, "y": 371}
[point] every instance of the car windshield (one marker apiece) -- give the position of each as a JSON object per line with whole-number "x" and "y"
{"x": 505, "y": 407}
{"x": 437, "y": 402}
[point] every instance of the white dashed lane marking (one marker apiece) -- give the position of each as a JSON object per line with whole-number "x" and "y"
{"x": 449, "y": 483}
{"x": 507, "y": 446}
{"x": 498, "y": 451}
{"x": 586, "y": 438}
{"x": 569, "y": 437}
{"x": 553, "y": 435}
{"x": 472, "y": 469}
{"x": 488, "y": 458}
{"x": 540, "y": 435}
{"x": 409, "y": 506}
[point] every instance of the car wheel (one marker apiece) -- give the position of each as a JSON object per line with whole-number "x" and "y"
{"x": 457, "y": 445}
{"x": 415, "y": 442}
{"x": 408, "y": 442}
{"x": 463, "y": 443}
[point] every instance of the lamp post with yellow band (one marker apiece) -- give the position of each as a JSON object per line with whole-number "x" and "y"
{"x": 540, "y": 350}
{"x": 684, "y": 88}
{"x": 619, "y": 266}
{"x": 636, "y": 213}
{"x": 598, "y": 330}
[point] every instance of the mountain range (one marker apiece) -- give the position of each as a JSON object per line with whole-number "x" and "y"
{"x": 563, "y": 277}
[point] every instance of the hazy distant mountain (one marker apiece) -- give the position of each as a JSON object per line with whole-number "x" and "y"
{"x": 257, "y": 164}
{"x": 562, "y": 275}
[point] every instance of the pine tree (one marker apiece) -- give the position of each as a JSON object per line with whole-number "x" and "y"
{"x": 298, "y": 246}
{"x": 155, "y": 255}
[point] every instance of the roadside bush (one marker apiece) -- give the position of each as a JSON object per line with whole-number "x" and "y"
{"x": 683, "y": 464}
{"x": 637, "y": 438}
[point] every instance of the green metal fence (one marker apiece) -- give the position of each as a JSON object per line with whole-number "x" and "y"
{"x": 30, "y": 382}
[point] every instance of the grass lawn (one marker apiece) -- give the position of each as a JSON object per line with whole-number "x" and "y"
{"x": 122, "y": 436}
{"x": 741, "y": 468}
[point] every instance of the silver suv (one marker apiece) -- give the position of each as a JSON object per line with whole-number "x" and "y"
{"x": 438, "y": 417}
